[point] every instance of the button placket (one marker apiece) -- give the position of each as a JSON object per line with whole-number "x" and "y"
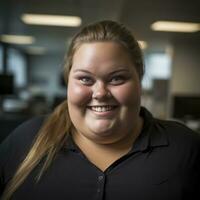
{"x": 101, "y": 184}
{"x": 100, "y": 178}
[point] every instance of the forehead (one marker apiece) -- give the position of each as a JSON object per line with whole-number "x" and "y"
{"x": 101, "y": 53}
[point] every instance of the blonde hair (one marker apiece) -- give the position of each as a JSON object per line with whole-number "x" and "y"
{"x": 55, "y": 130}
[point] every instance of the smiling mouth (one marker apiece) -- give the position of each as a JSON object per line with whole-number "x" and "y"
{"x": 105, "y": 108}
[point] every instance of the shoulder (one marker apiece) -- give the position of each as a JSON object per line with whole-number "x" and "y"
{"x": 181, "y": 149}
{"x": 177, "y": 129}
{"x": 16, "y": 145}
{"x": 179, "y": 136}
{"x": 25, "y": 131}
{"x": 170, "y": 133}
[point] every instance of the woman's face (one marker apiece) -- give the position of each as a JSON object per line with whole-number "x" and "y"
{"x": 103, "y": 92}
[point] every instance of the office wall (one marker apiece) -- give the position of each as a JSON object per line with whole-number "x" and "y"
{"x": 45, "y": 74}
{"x": 186, "y": 67}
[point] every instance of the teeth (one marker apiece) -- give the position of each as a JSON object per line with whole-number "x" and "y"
{"x": 102, "y": 108}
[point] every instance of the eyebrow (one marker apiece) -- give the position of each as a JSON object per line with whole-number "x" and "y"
{"x": 116, "y": 71}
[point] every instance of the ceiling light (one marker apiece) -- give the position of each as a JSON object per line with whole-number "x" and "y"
{"x": 175, "y": 26}
{"x": 51, "y": 20}
{"x": 17, "y": 39}
{"x": 36, "y": 50}
{"x": 142, "y": 44}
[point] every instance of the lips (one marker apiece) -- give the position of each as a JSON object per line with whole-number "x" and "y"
{"x": 104, "y": 108}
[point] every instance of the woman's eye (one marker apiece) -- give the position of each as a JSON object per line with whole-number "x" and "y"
{"x": 86, "y": 80}
{"x": 117, "y": 80}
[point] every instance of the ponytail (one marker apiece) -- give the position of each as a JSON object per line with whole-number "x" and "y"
{"x": 48, "y": 142}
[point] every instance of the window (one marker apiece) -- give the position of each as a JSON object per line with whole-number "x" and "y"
{"x": 158, "y": 66}
{"x": 17, "y": 66}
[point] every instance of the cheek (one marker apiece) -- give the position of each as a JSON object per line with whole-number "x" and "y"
{"x": 77, "y": 94}
{"x": 128, "y": 94}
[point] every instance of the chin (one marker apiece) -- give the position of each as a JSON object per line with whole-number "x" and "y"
{"x": 101, "y": 132}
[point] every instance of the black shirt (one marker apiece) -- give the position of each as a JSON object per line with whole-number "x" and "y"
{"x": 164, "y": 164}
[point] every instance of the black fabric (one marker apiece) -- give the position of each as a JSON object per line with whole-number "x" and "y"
{"x": 164, "y": 163}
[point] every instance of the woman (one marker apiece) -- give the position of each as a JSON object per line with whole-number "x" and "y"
{"x": 100, "y": 143}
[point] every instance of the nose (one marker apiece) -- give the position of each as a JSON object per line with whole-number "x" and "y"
{"x": 100, "y": 91}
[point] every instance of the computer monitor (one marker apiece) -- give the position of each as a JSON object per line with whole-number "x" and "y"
{"x": 186, "y": 107}
{"x": 6, "y": 84}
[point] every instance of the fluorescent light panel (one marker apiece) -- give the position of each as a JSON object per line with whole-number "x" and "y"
{"x": 173, "y": 26}
{"x": 36, "y": 50}
{"x": 51, "y": 20}
{"x": 17, "y": 39}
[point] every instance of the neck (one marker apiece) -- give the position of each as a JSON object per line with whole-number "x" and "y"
{"x": 103, "y": 154}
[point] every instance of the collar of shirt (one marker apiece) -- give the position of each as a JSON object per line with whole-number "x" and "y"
{"x": 151, "y": 136}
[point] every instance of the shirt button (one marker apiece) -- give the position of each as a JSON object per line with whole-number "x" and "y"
{"x": 98, "y": 190}
{"x": 100, "y": 178}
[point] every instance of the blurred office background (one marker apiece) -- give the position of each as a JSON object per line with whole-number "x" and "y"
{"x": 31, "y": 64}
